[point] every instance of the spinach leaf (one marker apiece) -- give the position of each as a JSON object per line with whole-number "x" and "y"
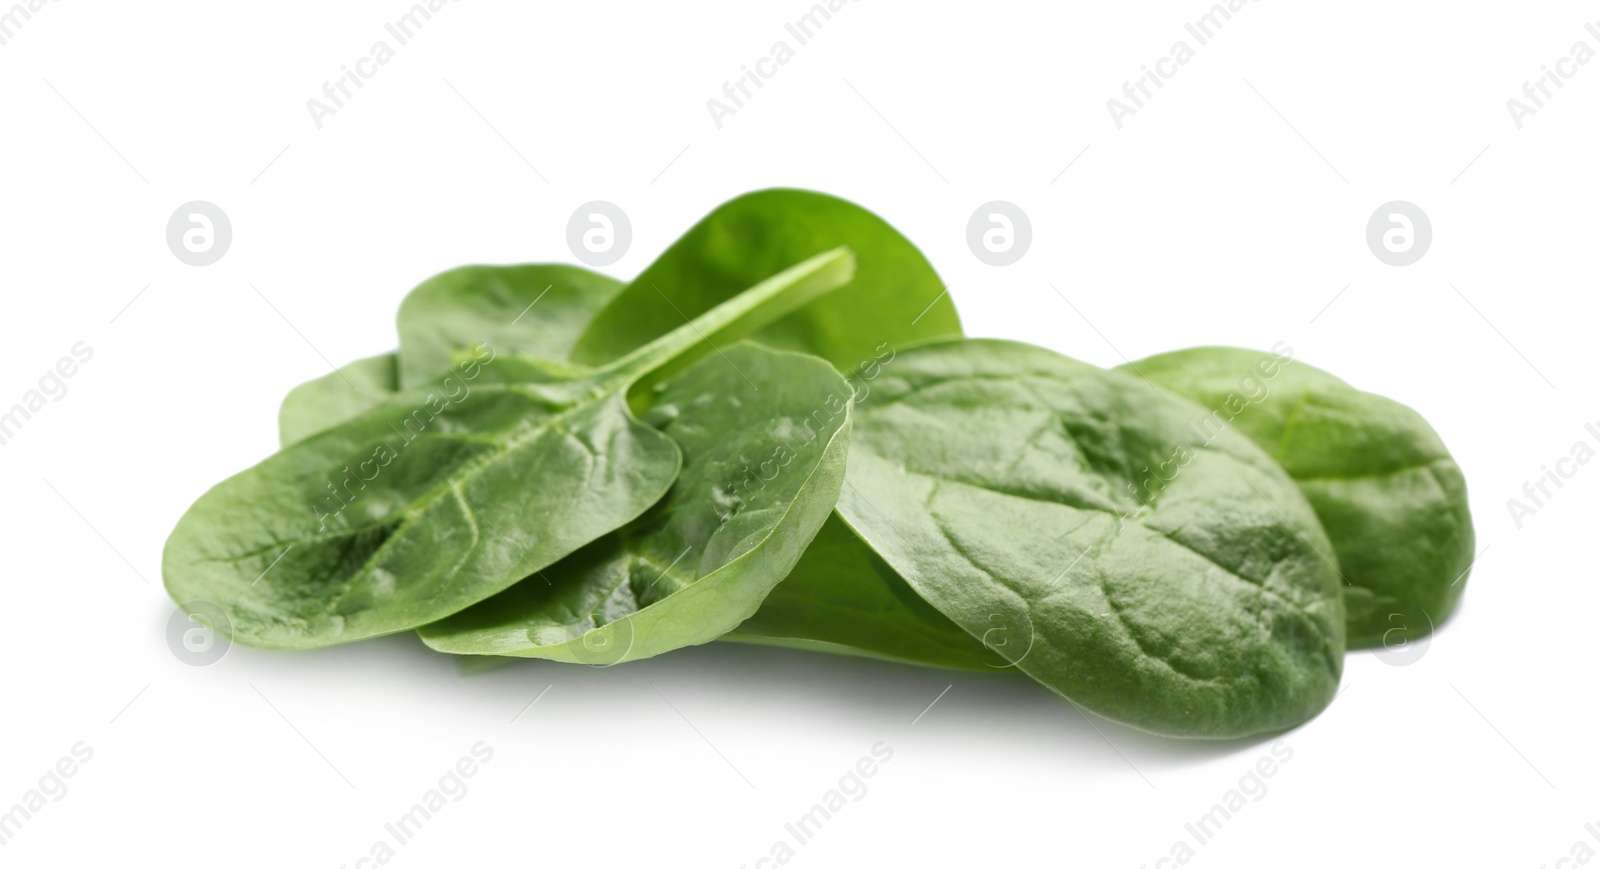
{"x": 763, "y": 434}
{"x": 442, "y": 496}
{"x": 1180, "y": 586}
{"x": 1388, "y": 493}
{"x": 337, "y": 396}
{"x": 896, "y": 297}
{"x": 838, "y": 598}
{"x": 531, "y": 310}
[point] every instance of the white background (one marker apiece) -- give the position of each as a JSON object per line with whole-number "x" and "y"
{"x": 1232, "y": 209}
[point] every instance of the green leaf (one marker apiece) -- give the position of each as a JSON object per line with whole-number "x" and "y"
{"x": 444, "y": 495}
{"x": 1178, "y": 586}
{"x": 339, "y": 395}
{"x": 763, "y": 435}
{"x": 1388, "y": 493}
{"x": 842, "y": 598}
{"x": 533, "y": 310}
{"x": 579, "y": 315}
{"x": 836, "y": 599}
{"x": 895, "y": 298}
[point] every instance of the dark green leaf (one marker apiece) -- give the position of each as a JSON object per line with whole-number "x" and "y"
{"x": 1388, "y": 493}
{"x": 1177, "y": 585}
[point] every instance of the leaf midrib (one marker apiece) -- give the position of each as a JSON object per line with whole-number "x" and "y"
{"x": 467, "y": 471}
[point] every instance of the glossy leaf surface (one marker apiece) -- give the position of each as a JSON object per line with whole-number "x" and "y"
{"x": 895, "y": 298}
{"x": 442, "y": 496}
{"x": 764, "y": 435}
{"x": 1177, "y": 586}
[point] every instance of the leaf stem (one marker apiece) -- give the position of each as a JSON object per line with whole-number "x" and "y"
{"x": 741, "y": 315}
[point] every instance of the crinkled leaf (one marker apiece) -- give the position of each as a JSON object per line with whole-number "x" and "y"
{"x": 1180, "y": 586}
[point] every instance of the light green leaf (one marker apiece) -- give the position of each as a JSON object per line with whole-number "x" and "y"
{"x": 536, "y": 310}
{"x": 339, "y": 395}
{"x": 442, "y": 496}
{"x": 763, "y": 435}
{"x": 529, "y": 310}
{"x": 895, "y": 298}
{"x": 837, "y": 596}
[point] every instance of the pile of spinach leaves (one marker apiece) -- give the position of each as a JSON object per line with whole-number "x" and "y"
{"x": 559, "y": 465}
